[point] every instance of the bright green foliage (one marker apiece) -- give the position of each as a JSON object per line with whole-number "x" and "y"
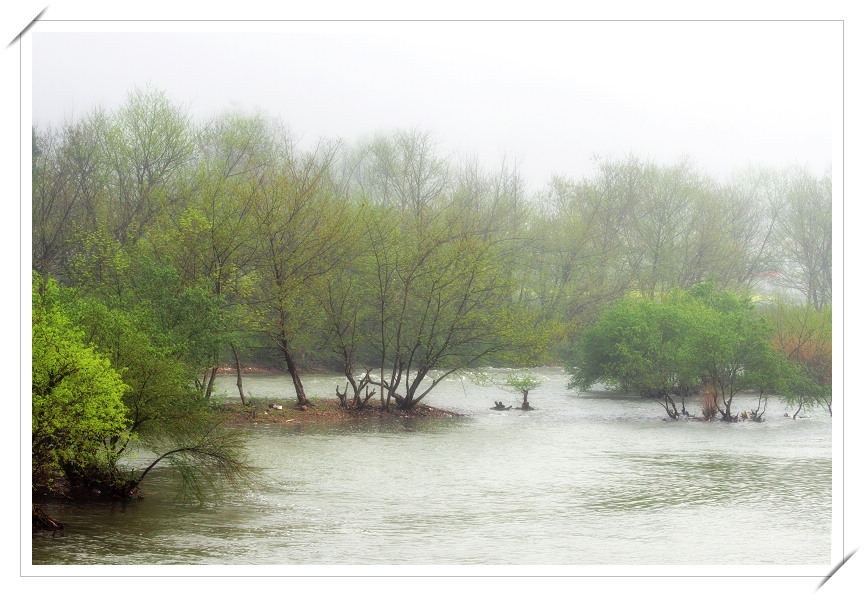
{"x": 158, "y": 383}
{"x": 168, "y": 414}
{"x": 77, "y": 395}
{"x": 151, "y": 336}
{"x": 731, "y": 345}
{"x": 641, "y": 346}
{"x": 523, "y": 383}
{"x": 678, "y": 344}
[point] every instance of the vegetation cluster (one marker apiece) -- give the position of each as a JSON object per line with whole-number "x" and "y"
{"x": 713, "y": 344}
{"x": 164, "y": 248}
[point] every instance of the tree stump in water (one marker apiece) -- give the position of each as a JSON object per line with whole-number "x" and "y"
{"x": 43, "y": 522}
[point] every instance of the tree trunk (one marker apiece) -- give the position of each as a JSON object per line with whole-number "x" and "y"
{"x": 525, "y": 405}
{"x": 295, "y": 376}
{"x": 239, "y": 375}
{"x": 212, "y": 379}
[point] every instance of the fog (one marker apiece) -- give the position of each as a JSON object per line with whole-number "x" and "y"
{"x": 546, "y": 96}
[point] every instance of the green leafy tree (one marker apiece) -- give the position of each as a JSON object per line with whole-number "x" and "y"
{"x": 299, "y": 241}
{"x": 641, "y": 346}
{"x": 732, "y": 341}
{"x": 77, "y": 394}
{"x": 523, "y": 384}
{"x": 446, "y": 298}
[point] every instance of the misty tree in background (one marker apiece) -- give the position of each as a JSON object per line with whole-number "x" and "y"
{"x": 65, "y": 194}
{"x": 402, "y": 169}
{"x": 805, "y": 238}
{"x": 576, "y": 259}
{"x": 146, "y": 145}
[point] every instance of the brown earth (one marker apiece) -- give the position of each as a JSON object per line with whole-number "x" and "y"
{"x": 320, "y": 411}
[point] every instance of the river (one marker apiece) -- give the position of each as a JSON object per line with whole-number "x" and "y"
{"x": 587, "y": 478}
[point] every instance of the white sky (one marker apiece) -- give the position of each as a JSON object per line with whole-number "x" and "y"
{"x": 547, "y": 94}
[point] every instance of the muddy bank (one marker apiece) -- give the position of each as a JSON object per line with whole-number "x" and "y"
{"x": 320, "y": 411}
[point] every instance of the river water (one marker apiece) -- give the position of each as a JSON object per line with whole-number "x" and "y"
{"x": 586, "y": 478}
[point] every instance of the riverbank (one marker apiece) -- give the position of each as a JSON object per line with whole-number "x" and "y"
{"x": 319, "y": 411}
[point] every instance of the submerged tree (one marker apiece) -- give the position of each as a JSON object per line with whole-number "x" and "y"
{"x": 732, "y": 344}
{"x": 679, "y": 343}
{"x": 641, "y": 346}
{"x": 523, "y": 384}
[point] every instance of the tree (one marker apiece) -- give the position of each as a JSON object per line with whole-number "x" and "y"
{"x": 146, "y": 145}
{"x": 401, "y": 170}
{"x": 211, "y": 238}
{"x": 67, "y": 193}
{"x": 155, "y": 335}
{"x": 346, "y": 303}
{"x": 643, "y": 346}
{"x": 578, "y": 264}
{"x": 805, "y": 238}
{"x": 435, "y": 285}
{"x": 673, "y": 345}
{"x": 445, "y": 298}
{"x": 299, "y": 232}
{"x": 524, "y": 384}
{"x": 77, "y": 395}
{"x": 803, "y": 335}
{"x": 731, "y": 344}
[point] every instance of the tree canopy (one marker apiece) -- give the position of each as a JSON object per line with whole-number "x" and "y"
{"x": 680, "y": 344}
{"x": 163, "y": 246}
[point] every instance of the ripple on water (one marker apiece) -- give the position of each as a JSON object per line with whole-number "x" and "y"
{"x": 587, "y": 478}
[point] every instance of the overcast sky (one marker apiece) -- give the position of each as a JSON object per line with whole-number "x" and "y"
{"x": 547, "y": 94}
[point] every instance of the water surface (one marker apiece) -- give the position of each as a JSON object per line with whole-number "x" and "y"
{"x": 587, "y": 478}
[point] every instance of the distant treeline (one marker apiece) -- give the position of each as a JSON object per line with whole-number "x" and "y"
{"x": 164, "y": 249}
{"x": 388, "y": 253}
